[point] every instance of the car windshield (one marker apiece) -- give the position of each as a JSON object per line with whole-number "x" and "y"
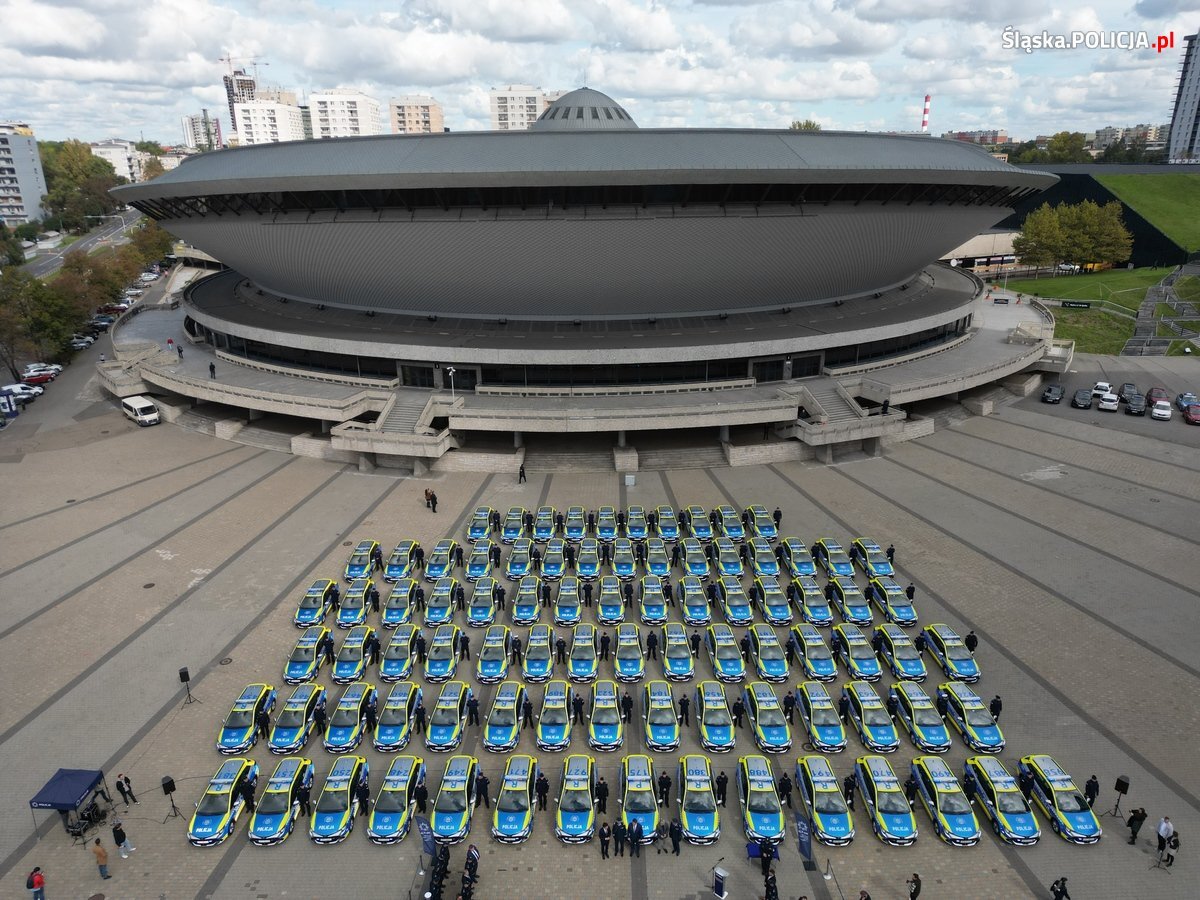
{"x": 1071, "y": 802}
{"x": 606, "y": 715}
{"x": 444, "y": 715}
{"x": 639, "y": 801}
{"x": 311, "y": 602}
{"x": 772, "y": 652}
{"x": 980, "y": 718}
{"x": 274, "y": 802}
{"x": 359, "y": 559}
{"x": 893, "y": 803}
{"x": 390, "y": 802}
{"x": 717, "y": 717}
{"x": 771, "y": 717}
{"x": 575, "y": 801}
{"x": 393, "y": 715}
{"x": 396, "y": 651}
{"x": 568, "y": 601}
{"x": 480, "y": 604}
{"x": 678, "y": 651}
{"x": 213, "y": 805}
{"x": 503, "y": 718}
{"x": 1011, "y": 802}
{"x": 763, "y": 802}
{"x": 905, "y": 651}
{"x": 344, "y": 718}
{"x": 290, "y": 718}
{"x": 439, "y": 601}
{"x": 958, "y": 652}
{"x": 699, "y": 802}
{"x": 239, "y": 718}
{"x": 817, "y": 651}
{"x": 451, "y": 802}
{"x": 729, "y": 558}
{"x": 350, "y": 654}
{"x": 829, "y": 803}
{"x": 492, "y": 652}
{"x": 661, "y": 715}
{"x": 304, "y": 654}
{"x": 555, "y": 715}
{"x": 728, "y": 651}
{"x": 513, "y": 800}
{"x": 352, "y": 601}
{"x": 629, "y": 651}
{"x": 824, "y": 716}
{"x": 538, "y": 652}
{"x": 696, "y": 559}
{"x": 876, "y": 556}
{"x": 441, "y": 651}
{"x": 875, "y": 716}
{"x": 861, "y": 651}
{"x": 333, "y": 801}
{"x": 926, "y": 717}
{"x": 583, "y": 652}
{"x": 954, "y": 804}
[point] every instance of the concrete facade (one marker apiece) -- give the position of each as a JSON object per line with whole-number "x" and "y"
{"x": 343, "y": 113}
{"x": 416, "y": 114}
{"x": 22, "y": 181}
{"x": 269, "y": 122}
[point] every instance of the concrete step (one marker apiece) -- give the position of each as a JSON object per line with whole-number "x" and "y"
{"x": 191, "y": 421}
{"x": 599, "y": 460}
{"x": 834, "y": 404}
{"x": 404, "y": 414}
{"x": 266, "y": 438}
{"x": 682, "y": 458}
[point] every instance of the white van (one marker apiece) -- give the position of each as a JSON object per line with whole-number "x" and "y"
{"x": 141, "y": 410}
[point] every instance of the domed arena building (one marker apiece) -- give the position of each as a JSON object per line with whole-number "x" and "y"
{"x": 453, "y": 295}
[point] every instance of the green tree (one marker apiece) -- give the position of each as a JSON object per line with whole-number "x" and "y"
{"x": 35, "y": 320}
{"x": 1067, "y": 147}
{"x": 805, "y": 125}
{"x": 77, "y": 184}
{"x": 154, "y": 148}
{"x": 152, "y": 168}
{"x": 1113, "y": 242}
{"x": 1040, "y": 242}
{"x": 10, "y": 247}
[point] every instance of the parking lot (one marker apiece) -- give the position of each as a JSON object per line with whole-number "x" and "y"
{"x": 130, "y": 552}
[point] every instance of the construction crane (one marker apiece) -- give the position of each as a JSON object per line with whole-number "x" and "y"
{"x": 253, "y": 60}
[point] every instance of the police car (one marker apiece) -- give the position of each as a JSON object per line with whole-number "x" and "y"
{"x": 294, "y": 724}
{"x": 762, "y": 525}
{"x": 652, "y": 605}
{"x": 828, "y": 815}
{"x": 315, "y": 604}
{"x": 635, "y": 523}
{"x": 222, "y": 802}
{"x": 657, "y": 561}
{"x": 1000, "y": 799}
{"x": 796, "y": 558}
{"x": 851, "y": 604}
{"x": 481, "y": 608}
{"x": 919, "y": 717}
{"x": 491, "y": 666}
{"x": 360, "y": 562}
{"x": 449, "y": 718}
{"x": 440, "y": 607}
{"x": 554, "y": 561}
{"x": 1070, "y": 816}
{"x": 567, "y": 605}
{"x": 830, "y": 556}
{"x": 971, "y": 718}
{"x": 514, "y": 524}
{"x": 553, "y": 730}
{"x": 587, "y": 561}
{"x": 900, "y": 654}
{"x": 502, "y": 727}
{"x": 893, "y": 602}
{"x": 337, "y": 805}
{"x": 441, "y": 662}
{"x": 856, "y": 654}
{"x": 391, "y": 814}
{"x": 729, "y": 524}
{"x": 815, "y": 656}
{"x": 767, "y": 721}
{"x": 661, "y": 721}
{"x": 677, "y": 661}
{"x": 538, "y": 664}
{"x": 575, "y": 524}
{"x": 623, "y": 564}
{"x": 713, "y": 719}
{"x": 512, "y": 822}
{"x": 762, "y": 813}
{"x": 763, "y": 560}
{"x": 821, "y": 723}
{"x": 727, "y": 559}
{"x": 945, "y": 801}
{"x": 275, "y": 814}
{"x": 770, "y": 662}
{"x": 871, "y": 720}
{"x": 724, "y": 653}
{"x": 695, "y": 562}
{"x": 668, "y": 523}
{"x": 543, "y": 524}
{"x": 525, "y": 607}
{"x": 584, "y": 661}
{"x": 479, "y": 563}
{"x": 353, "y": 610}
{"x": 575, "y": 818}
{"x": 401, "y": 563}
{"x": 239, "y": 732}
{"x": 734, "y": 603}
{"x": 810, "y": 600}
{"x": 345, "y": 729}
{"x": 400, "y": 655}
{"x": 699, "y": 525}
{"x": 480, "y": 524}
{"x": 694, "y": 601}
{"x": 950, "y": 653}
{"x": 629, "y": 659}
{"x": 637, "y": 788}
{"x": 606, "y": 731}
{"x": 398, "y": 608}
{"x": 772, "y": 602}
{"x": 520, "y": 559}
{"x": 441, "y": 561}
{"x": 306, "y": 657}
{"x": 892, "y": 818}
{"x": 455, "y": 800}
{"x": 393, "y": 728}
{"x": 698, "y": 812}
{"x": 606, "y": 524}
{"x": 351, "y": 662}
{"x": 610, "y": 608}
{"x": 870, "y": 558}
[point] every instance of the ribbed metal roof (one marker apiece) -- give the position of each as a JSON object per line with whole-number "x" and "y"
{"x": 592, "y": 157}
{"x": 584, "y": 110}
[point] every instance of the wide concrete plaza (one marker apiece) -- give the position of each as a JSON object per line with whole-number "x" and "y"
{"x": 1069, "y": 549}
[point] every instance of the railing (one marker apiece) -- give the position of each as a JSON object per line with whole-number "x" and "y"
{"x": 364, "y": 438}
{"x": 309, "y": 374}
{"x": 846, "y": 371}
{"x": 343, "y": 408}
{"x": 1034, "y": 353}
{"x": 617, "y": 391}
{"x": 775, "y": 405}
{"x": 854, "y": 429}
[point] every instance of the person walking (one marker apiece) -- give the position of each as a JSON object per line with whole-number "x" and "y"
{"x": 675, "y": 832}
{"x": 971, "y": 640}
{"x": 473, "y": 712}
{"x": 605, "y": 835}
{"x": 848, "y": 791}
{"x": 605, "y": 645}
{"x": 1059, "y": 889}
{"x": 910, "y": 591}
{"x": 542, "y": 789}
{"x": 36, "y": 884}
{"x": 636, "y": 833}
{"x": 785, "y": 789}
{"x": 101, "y": 859}
{"x": 1091, "y": 790}
{"x": 685, "y": 710}
{"x": 1165, "y": 831}
{"x": 660, "y": 837}
{"x": 1136, "y": 819}
{"x": 914, "y": 886}
{"x": 601, "y": 796}
{"x": 891, "y": 554}
{"x": 777, "y": 516}
{"x": 481, "y": 791}
{"x": 121, "y": 790}
{"x": 179, "y": 350}
{"x": 995, "y": 707}
{"x": 433, "y": 500}
{"x": 619, "y": 833}
{"x": 421, "y": 795}
{"x": 212, "y": 370}
{"x": 521, "y": 474}
{"x": 121, "y": 840}
{"x": 1172, "y": 846}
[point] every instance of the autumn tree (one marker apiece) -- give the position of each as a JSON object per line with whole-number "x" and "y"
{"x": 1040, "y": 240}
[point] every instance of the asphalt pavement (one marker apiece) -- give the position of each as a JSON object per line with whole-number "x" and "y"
{"x": 42, "y": 266}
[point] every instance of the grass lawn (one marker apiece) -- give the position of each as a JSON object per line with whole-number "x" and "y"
{"x": 1187, "y": 288}
{"x": 1092, "y": 330}
{"x": 1125, "y": 287}
{"x": 1169, "y": 202}
{"x": 1178, "y": 348}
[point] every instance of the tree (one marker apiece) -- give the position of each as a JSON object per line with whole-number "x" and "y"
{"x": 154, "y": 148}
{"x": 805, "y": 125}
{"x": 34, "y": 319}
{"x": 1067, "y": 147}
{"x": 1081, "y": 233}
{"x": 152, "y": 168}
{"x": 10, "y": 247}
{"x": 1040, "y": 240}
{"x": 77, "y": 184}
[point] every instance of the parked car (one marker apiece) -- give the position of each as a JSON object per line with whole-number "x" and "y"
{"x": 1128, "y": 389}
{"x": 1186, "y": 399}
{"x": 1100, "y": 388}
{"x": 26, "y": 393}
{"x": 1135, "y": 405}
{"x": 1082, "y": 399}
{"x": 1109, "y": 403}
{"x": 1053, "y": 393}
{"x": 1191, "y": 415}
{"x": 1161, "y": 410}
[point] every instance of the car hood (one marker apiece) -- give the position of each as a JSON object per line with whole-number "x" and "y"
{"x": 208, "y": 825}
{"x": 511, "y": 823}
{"x": 718, "y": 734}
{"x": 898, "y": 824}
{"x": 329, "y": 823}
{"x": 776, "y": 734}
{"x": 441, "y": 734}
{"x": 574, "y": 823}
{"x": 448, "y": 823}
{"x": 387, "y": 823}
{"x": 235, "y": 737}
{"x": 270, "y": 824}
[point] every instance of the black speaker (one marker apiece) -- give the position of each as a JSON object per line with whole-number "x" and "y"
{"x": 184, "y": 676}
{"x": 1122, "y": 785}
{"x": 168, "y": 783}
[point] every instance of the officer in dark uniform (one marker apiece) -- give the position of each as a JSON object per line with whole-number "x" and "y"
{"x": 372, "y": 720}
{"x": 421, "y": 795}
{"x": 419, "y": 557}
{"x": 652, "y": 646}
{"x": 329, "y": 649}
{"x": 910, "y": 791}
{"x": 722, "y": 785}
{"x": 560, "y": 648}
{"x": 542, "y": 789}
{"x": 319, "y": 720}
{"x": 777, "y": 516}
{"x": 362, "y": 793}
{"x": 829, "y": 592}
{"x": 971, "y": 641}
{"x": 892, "y": 705}
{"x": 844, "y": 709}
{"x": 473, "y": 712}
{"x": 591, "y": 521}
{"x": 419, "y": 718}
{"x": 891, "y": 553}
{"x": 739, "y": 710}
{"x": 1025, "y": 783}
{"x": 495, "y": 517}
{"x": 464, "y": 647}
{"x": 675, "y": 554}
{"x": 685, "y": 707}
{"x": 910, "y": 591}
{"x": 374, "y": 597}
{"x": 587, "y": 594}
{"x": 517, "y": 656}
{"x": 577, "y": 706}
{"x": 628, "y": 594}
{"x": 501, "y": 596}
{"x": 942, "y": 704}
{"x": 627, "y": 708}
{"x": 304, "y": 797}
{"x": 744, "y": 643}
{"x": 558, "y": 522}
{"x": 789, "y": 706}
{"x": 848, "y": 791}
{"x": 919, "y": 642}
{"x": 785, "y": 789}
{"x": 667, "y": 593}
{"x": 481, "y": 791}
{"x": 569, "y": 555}
{"x": 263, "y": 721}
{"x": 527, "y": 713}
{"x": 421, "y": 647}
{"x": 695, "y": 642}
{"x": 535, "y": 557}
{"x": 494, "y": 553}
{"x": 877, "y": 641}
{"x": 460, "y": 597}
{"x": 664, "y": 789}
{"x": 601, "y": 795}
{"x": 458, "y": 555}
{"x": 335, "y": 597}
{"x": 419, "y": 598}
{"x": 605, "y": 644}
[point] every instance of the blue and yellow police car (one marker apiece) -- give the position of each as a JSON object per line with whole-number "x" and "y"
{"x": 361, "y": 560}
{"x": 239, "y": 731}
{"x": 729, "y": 523}
{"x": 829, "y": 818}
{"x": 553, "y": 730}
{"x": 575, "y": 524}
{"x": 693, "y": 602}
{"x": 587, "y": 561}
{"x": 538, "y": 664}
{"x": 796, "y": 557}
{"x": 893, "y": 602}
{"x": 637, "y": 792}
{"x": 391, "y": 814}
{"x": 635, "y": 523}
{"x": 830, "y": 556}
{"x": 307, "y": 656}
{"x": 661, "y": 720}
{"x": 1068, "y": 812}
{"x": 520, "y": 559}
{"x": 713, "y": 719}
{"x": 346, "y": 726}
{"x": 448, "y": 720}
{"x": 1000, "y": 798}
{"x": 512, "y": 822}
{"x": 810, "y": 601}
{"x": 351, "y": 662}
{"x": 950, "y": 653}
{"x": 728, "y": 560}
{"x": 870, "y": 717}
{"x": 763, "y": 559}
{"x": 575, "y": 818}
{"x": 481, "y": 609}
{"x": 657, "y": 561}
{"x": 400, "y": 655}
{"x": 402, "y": 562}
{"x": 502, "y": 727}
{"x": 767, "y": 721}
{"x": 491, "y": 666}
{"x": 698, "y": 814}
{"x": 543, "y": 524}
{"x": 439, "y": 609}
{"x": 606, "y": 524}
{"x": 735, "y": 605}
{"x": 762, "y": 813}
{"x": 724, "y": 653}
{"x": 899, "y": 653}
{"x": 918, "y": 716}
{"x": 856, "y": 653}
{"x": 275, "y": 814}
{"x": 606, "y": 731}
{"x": 821, "y": 722}
{"x": 677, "y": 661}
{"x": 892, "y": 818}
{"x": 479, "y": 526}
{"x": 514, "y": 524}
{"x": 583, "y": 663}
{"x": 668, "y": 522}
{"x": 761, "y": 524}
{"x": 337, "y": 805}
{"x": 397, "y": 609}
{"x": 652, "y": 605}
{"x": 870, "y": 558}
{"x": 770, "y": 662}
{"x": 315, "y": 604}
{"x": 222, "y": 802}
{"x": 814, "y": 654}
{"x": 353, "y": 610}
{"x": 850, "y": 602}
{"x": 772, "y": 602}
{"x": 455, "y": 800}
{"x": 441, "y": 662}
{"x": 294, "y": 724}
{"x": 695, "y": 562}
{"x": 629, "y": 659}
{"x": 699, "y": 525}
{"x": 525, "y": 608}
{"x": 624, "y": 566}
{"x": 567, "y": 606}
{"x": 610, "y": 608}
{"x": 479, "y": 562}
{"x": 393, "y": 728}
{"x": 945, "y": 801}
{"x": 554, "y": 562}
{"x": 971, "y": 718}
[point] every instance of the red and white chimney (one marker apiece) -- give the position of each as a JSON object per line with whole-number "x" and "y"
{"x": 925, "y": 115}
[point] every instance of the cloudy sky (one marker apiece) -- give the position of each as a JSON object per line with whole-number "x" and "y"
{"x": 98, "y": 68}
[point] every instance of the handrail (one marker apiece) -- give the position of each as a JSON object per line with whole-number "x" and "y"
{"x": 846, "y": 371}
{"x": 309, "y": 374}
{"x": 468, "y": 413}
{"x": 1036, "y": 351}
{"x": 355, "y": 404}
{"x": 617, "y": 391}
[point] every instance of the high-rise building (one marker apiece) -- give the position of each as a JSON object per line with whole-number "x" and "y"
{"x": 266, "y": 122}
{"x": 202, "y": 131}
{"x": 22, "y": 181}
{"x": 516, "y": 107}
{"x": 1184, "y": 145}
{"x": 124, "y": 156}
{"x": 306, "y": 121}
{"x": 343, "y": 113}
{"x": 239, "y": 88}
{"x": 416, "y": 114}
{"x": 276, "y": 95}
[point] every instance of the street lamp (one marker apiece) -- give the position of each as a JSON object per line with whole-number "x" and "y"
{"x": 450, "y": 372}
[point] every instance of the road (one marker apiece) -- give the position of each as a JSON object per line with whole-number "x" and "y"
{"x": 47, "y": 265}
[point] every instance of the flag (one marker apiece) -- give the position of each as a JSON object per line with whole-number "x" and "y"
{"x": 427, "y": 843}
{"x": 804, "y": 836}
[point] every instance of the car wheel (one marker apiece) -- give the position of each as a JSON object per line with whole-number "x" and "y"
{"x": 1054, "y": 826}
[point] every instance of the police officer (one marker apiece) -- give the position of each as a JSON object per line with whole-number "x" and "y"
{"x": 419, "y": 556}
{"x": 791, "y": 649}
{"x": 829, "y": 592}
{"x": 722, "y": 785}
{"x": 421, "y": 795}
{"x": 372, "y": 720}
{"x": 495, "y": 519}
{"x": 362, "y": 793}
{"x": 844, "y": 709}
{"x": 263, "y": 721}
{"x": 373, "y": 649}
{"x": 587, "y": 594}
{"x": 460, "y": 597}
{"x": 877, "y": 641}
{"x": 848, "y": 791}
{"x": 464, "y": 646}
{"x": 577, "y": 706}
{"x": 619, "y": 833}
{"x": 711, "y": 591}
{"x": 919, "y": 642}
{"x": 685, "y": 707}
{"x": 542, "y": 789}
{"x": 527, "y": 713}
{"x": 304, "y": 797}
{"x": 971, "y": 641}
{"x": 419, "y": 598}
{"x": 1025, "y": 783}
{"x": 421, "y": 647}
{"x": 695, "y": 642}
{"x": 745, "y": 645}
{"x": 419, "y": 718}
{"x": 627, "y": 708}
{"x": 494, "y": 553}
{"x": 517, "y": 656}
{"x": 640, "y": 552}
{"x": 910, "y": 791}
{"x": 601, "y": 795}
{"x": 652, "y": 645}
{"x": 319, "y": 720}
{"x": 458, "y": 555}
{"x": 777, "y": 516}
{"x": 591, "y": 521}
{"x": 374, "y": 597}
{"x": 910, "y": 591}
{"x": 664, "y": 789}
{"x": 605, "y": 643}
{"x": 560, "y": 648}
{"x": 473, "y": 711}
{"x": 739, "y": 710}
{"x": 668, "y": 594}
{"x": 535, "y": 556}
{"x": 481, "y": 791}
{"x": 891, "y": 553}
{"x": 995, "y": 707}
{"x": 942, "y": 704}
{"x": 785, "y": 789}
{"x": 335, "y": 597}
{"x": 328, "y": 644}
{"x": 499, "y": 595}
{"x": 569, "y": 555}
{"x": 892, "y": 704}
{"x": 789, "y": 706}
{"x": 675, "y": 552}
{"x": 558, "y": 522}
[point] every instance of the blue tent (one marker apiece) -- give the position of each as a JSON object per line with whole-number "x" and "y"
{"x": 66, "y": 789}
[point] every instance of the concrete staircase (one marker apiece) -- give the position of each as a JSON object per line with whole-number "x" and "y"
{"x": 553, "y": 460}
{"x": 682, "y": 458}
{"x": 266, "y": 438}
{"x": 834, "y": 404}
{"x": 405, "y": 412}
